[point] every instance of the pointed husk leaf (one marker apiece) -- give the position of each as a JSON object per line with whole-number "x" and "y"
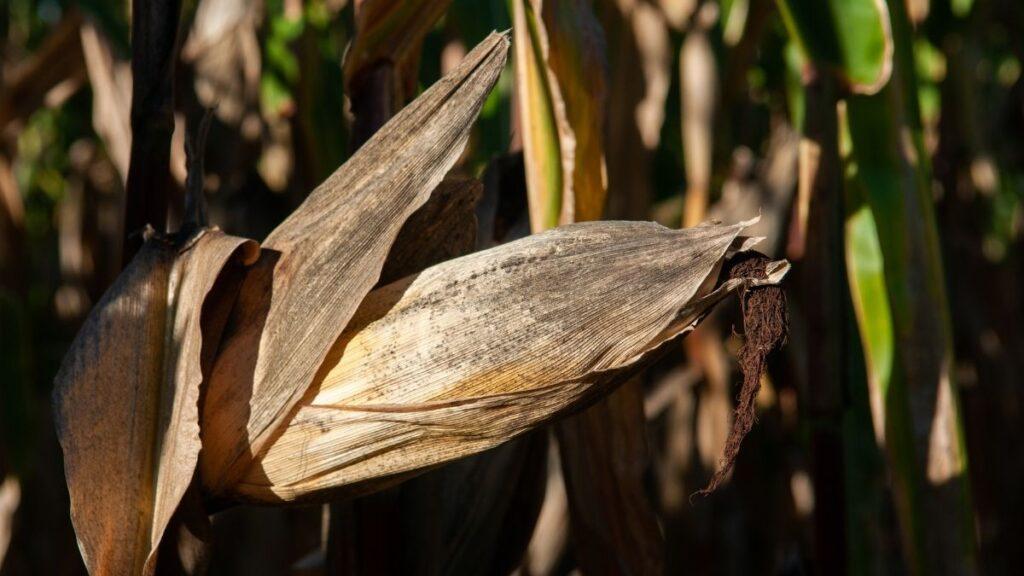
{"x": 317, "y": 266}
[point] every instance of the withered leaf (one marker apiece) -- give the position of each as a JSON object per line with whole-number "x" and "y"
{"x": 442, "y": 229}
{"x": 577, "y": 59}
{"x": 126, "y": 399}
{"x": 477, "y": 350}
{"x": 320, "y": 262}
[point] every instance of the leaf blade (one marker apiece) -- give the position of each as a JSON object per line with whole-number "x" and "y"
{"x": 560, "y": 63}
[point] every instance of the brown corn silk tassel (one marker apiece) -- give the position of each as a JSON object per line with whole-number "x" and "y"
{"x": 765, "y": 328}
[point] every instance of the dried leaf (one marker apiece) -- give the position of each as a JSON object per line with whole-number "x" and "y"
{"x": 224, "y": 49}
{"x": 467, "y": 354}
{"x": 560, "y": 79}
{"x": 613, "y": 523}
{"x": 111, "y": 84}
{"x": 442, "y": 229}
{"x": 698, "y": 75}
{"x": 319, "y": 264}
{"x": 637, "y": 32}
{"x": 126, "y": 400}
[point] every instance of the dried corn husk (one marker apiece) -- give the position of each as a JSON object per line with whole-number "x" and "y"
{"x": 126, "y": 399}
{"x": 477, "y": 350}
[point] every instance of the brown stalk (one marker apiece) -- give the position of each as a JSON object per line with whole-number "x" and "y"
{"x": 154, "y": 52}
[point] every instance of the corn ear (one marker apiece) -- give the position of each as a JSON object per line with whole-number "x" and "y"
{"x": 477, "y": 350}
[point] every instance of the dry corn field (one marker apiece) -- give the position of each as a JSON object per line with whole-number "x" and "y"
{"x": 511, "y": 287}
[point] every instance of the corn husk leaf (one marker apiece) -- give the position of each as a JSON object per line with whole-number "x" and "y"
{"x": 126, "y": 400}
{"x": 468, "y": 354}
{"x": 560, "y": 80}
{"x": 320, "y": 262}
{"x": 442, "y": 229}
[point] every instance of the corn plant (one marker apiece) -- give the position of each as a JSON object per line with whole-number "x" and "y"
{"x": 276, "y": 372}
{"x": 407, "y": 313}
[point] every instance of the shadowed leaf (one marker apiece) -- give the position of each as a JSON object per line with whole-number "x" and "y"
{"x": 126, "y": 400}
{"x": 851, "y": 38}
{"x": 898, "y": 285}
{"x": 604, "y": 458}
{"x": 442, "y": 229}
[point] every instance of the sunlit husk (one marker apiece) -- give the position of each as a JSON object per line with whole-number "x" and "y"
{"x": 476, "y": 350}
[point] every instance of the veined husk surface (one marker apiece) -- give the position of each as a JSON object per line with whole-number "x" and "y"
{"x": 477, "y": 350}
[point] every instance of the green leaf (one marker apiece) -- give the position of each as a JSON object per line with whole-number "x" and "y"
{"x": 898, "y": 285}
{"x": 849, "y": 38}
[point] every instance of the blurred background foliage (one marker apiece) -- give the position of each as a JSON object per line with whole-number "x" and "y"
{"x": 881, "y": 142}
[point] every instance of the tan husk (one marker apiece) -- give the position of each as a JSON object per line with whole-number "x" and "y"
{"x": 317, "y": 266}
{"x": 126, "y": 400}
{"x": 474, "y": 351}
